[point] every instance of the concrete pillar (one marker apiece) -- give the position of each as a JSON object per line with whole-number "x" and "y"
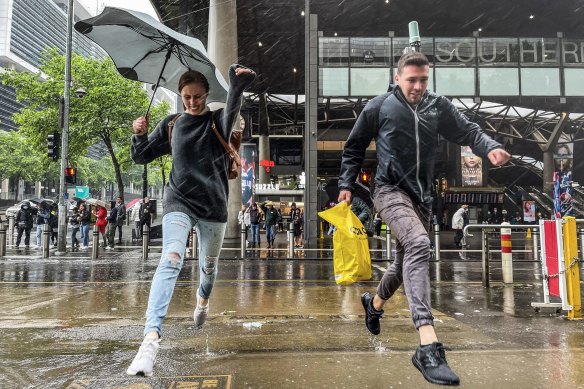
{"x": 548, "y": 172}
{"x": 222, "y": 49}
{"x": 310, "y": 129}
{"x": 103, "y": 193}
{"x": 38, "y": 189}
{"x": 264, "y": 142}
{"x": 5, "y": 188}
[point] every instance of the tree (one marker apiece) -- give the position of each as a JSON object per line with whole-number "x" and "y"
{"x": 23, "y": 162}
{"x": 103, "y": 116}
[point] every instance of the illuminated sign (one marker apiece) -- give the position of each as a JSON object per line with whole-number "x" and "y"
{"x": 267, "y": 164}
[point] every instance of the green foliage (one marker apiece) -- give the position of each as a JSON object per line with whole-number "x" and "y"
{"x": 21, "y": 161}
{"x": 105, "y": 114}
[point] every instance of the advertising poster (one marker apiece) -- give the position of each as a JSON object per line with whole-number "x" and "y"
{"x": 471, "y": 167}
{"x": 563, "y": 162}
{"x": 248, "y": 172}
{"x": 529, "y": 211}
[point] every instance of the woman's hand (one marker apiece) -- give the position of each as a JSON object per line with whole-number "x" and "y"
{"x": 140, "y": 126}
{"x": 239, "y": 71}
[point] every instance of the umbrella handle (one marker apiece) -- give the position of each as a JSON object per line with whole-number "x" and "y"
{"x": 168, "y": 53}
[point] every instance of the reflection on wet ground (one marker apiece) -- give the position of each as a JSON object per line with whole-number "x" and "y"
{"x": 69, "y": 322}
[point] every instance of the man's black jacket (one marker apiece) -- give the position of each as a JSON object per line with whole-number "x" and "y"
{"x": 406, "y": 139}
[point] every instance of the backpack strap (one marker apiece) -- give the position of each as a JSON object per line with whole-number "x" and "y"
{"x": 170, "y": 125}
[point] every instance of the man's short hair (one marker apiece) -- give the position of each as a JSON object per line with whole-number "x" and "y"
{"x": 412, "y": 58}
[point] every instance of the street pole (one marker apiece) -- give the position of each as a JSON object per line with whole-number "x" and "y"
{"x": 62, "y": 230}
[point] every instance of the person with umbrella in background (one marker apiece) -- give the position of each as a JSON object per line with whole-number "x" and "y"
{"x": 195, "y": 196}
{"x": 101, "y": 215}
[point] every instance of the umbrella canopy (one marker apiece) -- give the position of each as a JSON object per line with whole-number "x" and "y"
{"x": 101, "y": 203}
{"x": 144, "y": 49}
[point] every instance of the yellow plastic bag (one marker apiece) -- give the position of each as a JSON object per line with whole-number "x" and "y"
{"x": 352, "y": 261}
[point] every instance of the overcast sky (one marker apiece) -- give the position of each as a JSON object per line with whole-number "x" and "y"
{"x": 137, "y": 5}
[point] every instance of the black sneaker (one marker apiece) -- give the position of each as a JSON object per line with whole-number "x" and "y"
{"x": 431, "y": 361}
{"x": 372, "y": 315}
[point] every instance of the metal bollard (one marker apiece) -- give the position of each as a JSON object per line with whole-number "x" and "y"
{"x": 436, "y": 242}
{"x": 581, "y": 243}
{"x": 388, "y": 243}
{"x": 290, "y": 244}
{"x": 506, "y": 254}
{"x": 2, "y": 240}
{"x": 45, "y": 241}
{"x": 145, "y": 242}
{"x": 485, "y": 258}
{"x": 535, "y": 245}
{"x": 95, "y": 240}
{"x": 243, "y": 242}
{"x": 11, "y": 223}
{"x": 194, "y": 245}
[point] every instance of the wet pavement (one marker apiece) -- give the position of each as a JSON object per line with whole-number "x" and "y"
{"x": 70, "y": 322}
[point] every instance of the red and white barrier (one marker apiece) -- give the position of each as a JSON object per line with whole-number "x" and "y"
{"x": 506, "y": 254}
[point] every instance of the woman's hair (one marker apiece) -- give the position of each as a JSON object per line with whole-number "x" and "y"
{"x": 190, "y": 77}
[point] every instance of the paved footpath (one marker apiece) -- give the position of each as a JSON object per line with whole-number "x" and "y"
{"x": 69, "y": 322}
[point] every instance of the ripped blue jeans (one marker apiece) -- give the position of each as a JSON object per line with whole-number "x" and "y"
{"x": 175, "y": 232}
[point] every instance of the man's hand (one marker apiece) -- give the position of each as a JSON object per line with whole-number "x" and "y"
{"x": 345, "y": 195}
{"x": 499, "y": 157}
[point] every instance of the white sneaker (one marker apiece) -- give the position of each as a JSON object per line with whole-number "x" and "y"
{"x": 143, "y": 363}
{"x": 200, "y": 314}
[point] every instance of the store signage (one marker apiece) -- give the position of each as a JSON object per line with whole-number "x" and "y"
{"x": 266, "y": 164}
{"x": 267, "y": 187}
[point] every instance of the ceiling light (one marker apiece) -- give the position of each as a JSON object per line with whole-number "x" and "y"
{"x": 302, "y": 13}
{"x": 531, "y": 16}
{"x": 260, "y": 44}
{"x": 294, "y": 70}
{"x": 386, "y": 1}
{"x": 335, "y": 34}
{"x": 480, "y": 29}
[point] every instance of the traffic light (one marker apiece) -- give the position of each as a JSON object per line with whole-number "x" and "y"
{"x": 53, "y": 145}
{"x": 365, "y": 177}
{"x": 71, "y": 175}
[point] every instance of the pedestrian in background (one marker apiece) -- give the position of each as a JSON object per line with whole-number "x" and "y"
{"x": 195, "y": 196}
{"x": 271, "y": 223}
{"x": 84, "y": 222}
{"x": 255, "y": 218}
{"x": 137, "y": 220}
{"x": 112, "y": 225}
{"x": 24, "y": 223}
{"x": 75, "y": 226}
{"x": 122, "y": 214}
{"x": 54, "y": 224}
{"x": 42, "y": 218}
{"x": 100, "y": 214}
{"x": 145, "y": 214}
{"x": 458, "y": 224}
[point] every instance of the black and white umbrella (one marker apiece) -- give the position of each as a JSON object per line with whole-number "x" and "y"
{"x": 145, "y": 50}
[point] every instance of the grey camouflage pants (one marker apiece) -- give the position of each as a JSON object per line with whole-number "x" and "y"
{"x": 410, "y": 223}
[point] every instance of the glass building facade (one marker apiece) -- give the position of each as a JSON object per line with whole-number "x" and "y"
{"x": 460, "y": 67}
{"x": 36, "y": 26}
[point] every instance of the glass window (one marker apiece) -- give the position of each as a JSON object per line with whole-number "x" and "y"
{"x": 574, "y": 79}
{"x": 455, "y": 51}
{"x": 399, "y": 44}
{"x": 498, "y": 51}
{"x": 369, "y": 82}
{"x": 540, "y": 81}
{"x": 539, "y": 51}
{"x": 333, "y": 52}
{"x": 499, "y": 82}
{"x": 333, "y": 82}
{"x": 370, "y": 51}
{"x": 573, "y": 52}
{"x": 455, "y": 81}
